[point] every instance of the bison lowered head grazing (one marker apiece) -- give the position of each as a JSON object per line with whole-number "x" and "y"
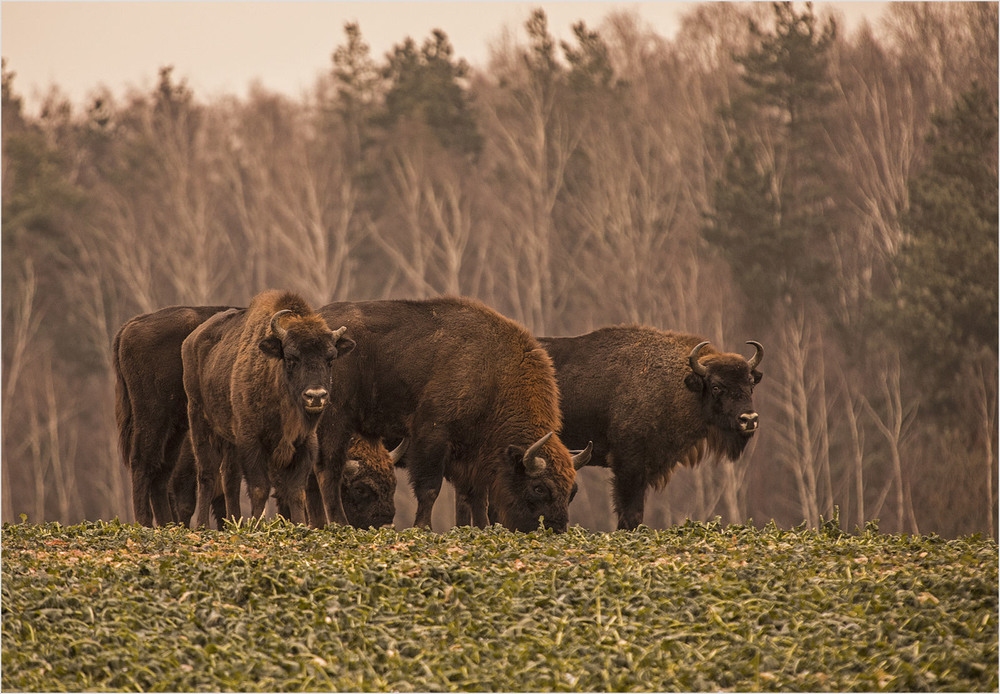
{"x": 725, "y": 384}
{"x": 545, "y": 472}
{"x": 651, "y": 400}
{"x": 474, "y": 394}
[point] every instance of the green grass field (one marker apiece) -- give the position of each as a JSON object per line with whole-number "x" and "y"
{"x": 277, "y": 607}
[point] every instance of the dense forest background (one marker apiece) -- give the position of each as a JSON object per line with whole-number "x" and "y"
{"x": 761, "y": 176}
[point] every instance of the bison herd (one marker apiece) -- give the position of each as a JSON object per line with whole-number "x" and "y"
{"x": 304, "y": 404}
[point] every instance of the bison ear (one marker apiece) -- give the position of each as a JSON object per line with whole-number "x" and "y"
{"x": 515, "y": 454}
{"x": 271, "y": 346}
{"x": 757, "y": 375}
{"x": 532, "y": 467}
{"x": 352, "y": 468}
{"x": 694, "y": 383}
{"x": 344, "y": 345}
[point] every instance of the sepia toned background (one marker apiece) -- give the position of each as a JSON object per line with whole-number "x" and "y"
{"x": 763, "y": 172}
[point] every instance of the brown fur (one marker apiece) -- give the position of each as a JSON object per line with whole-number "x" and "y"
{"x": 150, "y": 400}
{"x": 239, "y": 402}
{"x": 150, "y": 405}
{"x": 465, "y": 384}
{"x": 625, "y": 388}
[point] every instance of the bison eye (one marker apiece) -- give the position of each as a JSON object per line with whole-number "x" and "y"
{"x": 539, "y": 490}
{"x": 716, "y": 390}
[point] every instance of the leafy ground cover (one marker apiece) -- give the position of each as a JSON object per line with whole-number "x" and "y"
{"x": 270, "y": 606}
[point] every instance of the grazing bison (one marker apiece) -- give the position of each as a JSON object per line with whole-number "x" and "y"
{"x": 257, "y": 381}
{"x": 472, "y": 391}
{"x": 150, "y": 405}
{"x": 151, "y": 409}
{"x": 367, "y": 490}
{"x": 652, "y": 400}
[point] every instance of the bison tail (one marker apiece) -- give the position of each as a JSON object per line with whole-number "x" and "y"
{"x": 123, "y": 406}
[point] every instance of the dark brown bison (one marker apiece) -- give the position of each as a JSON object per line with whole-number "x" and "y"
{"x": 651, "y": 400}
{"x": 257, "y": 381}
{"x": 150, "y": 405}
{"x": 151, "y": 409}
{"x": 472, "y": 391}
{"x": 367, "y": 490}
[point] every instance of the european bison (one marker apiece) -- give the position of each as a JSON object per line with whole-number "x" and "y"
{"x": 257, "y": 381}
{"x": 151, "y": 410}
{"x": 472, "y": 391}
{"x": 150, "y": 405}
{"x": 367, "y": 490}
{"x": 652, "y": 400}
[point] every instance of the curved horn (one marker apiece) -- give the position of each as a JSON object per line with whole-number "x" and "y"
{"x": 758, "y": 355}
{"x": 693, "y": 359}
{"x": 278, "y": 331}
{"x": 581, "y": 458}
{"x": 535, "y": 447}
{"x": 397, "y": 453}
{"x": 534, "y": 465}
{"x": 339, "y": 332}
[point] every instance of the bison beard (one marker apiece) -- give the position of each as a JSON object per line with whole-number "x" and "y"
{"x": 465, "y": 385}
{"x": 257, "y": 382}
{"x": 652, "y": 400}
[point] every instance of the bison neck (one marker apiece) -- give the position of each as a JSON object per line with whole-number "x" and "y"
{"x": 297, "y": 429}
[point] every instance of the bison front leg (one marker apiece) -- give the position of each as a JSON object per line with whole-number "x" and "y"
{"x": 254, "y": 463}
{"x": 140, "y": 497}
{"x": 315, "y": 510}
{"x": 290, "y": 482}
{"x": 463, "y": 508}
{"x": 480, "y": 517}
{"x": 329, "y": 469}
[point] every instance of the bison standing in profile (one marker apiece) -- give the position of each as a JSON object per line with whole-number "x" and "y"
{"x": 652, "y": 400}
{"x": 257, "y": 381}
{"x": 472, "y": 391}
{"x": 151, "y": 410}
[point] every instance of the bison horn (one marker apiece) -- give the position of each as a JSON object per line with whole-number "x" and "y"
{"x": 351, "y": 469}
{"x": 339, "y": 332}
{"x": 581, "y": 458}
{"x": 533, "y": 464}
{"x": 758, "y": 355}
{"x": 693, "y": 359}
{"x": 278, "y": 331}
{"x": 397, "y": 453}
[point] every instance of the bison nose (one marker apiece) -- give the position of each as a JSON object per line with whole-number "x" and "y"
{"x": 315, "y": 398}
{"x": 748, "y": 422}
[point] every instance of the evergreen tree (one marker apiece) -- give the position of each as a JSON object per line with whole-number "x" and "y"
{"x": 426, "y": 85}
{"x": 944, "y": 309}
{"x": 771, "y": 215}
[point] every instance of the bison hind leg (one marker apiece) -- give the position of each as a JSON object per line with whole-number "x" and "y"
{"x": 629, "y": 487}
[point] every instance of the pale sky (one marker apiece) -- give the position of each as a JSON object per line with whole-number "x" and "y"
{"x": 222, "y": 47}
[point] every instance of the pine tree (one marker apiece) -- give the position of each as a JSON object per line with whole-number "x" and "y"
{"x": 944, "y": 309}
{"x": 771, "y": 210}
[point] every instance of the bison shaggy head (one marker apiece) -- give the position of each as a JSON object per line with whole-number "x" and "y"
{"x": 306, "y": 347}
{"x": 725, "y": 384}
{"x": 369, "y": 483}
{"x": 540, "y": 485}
